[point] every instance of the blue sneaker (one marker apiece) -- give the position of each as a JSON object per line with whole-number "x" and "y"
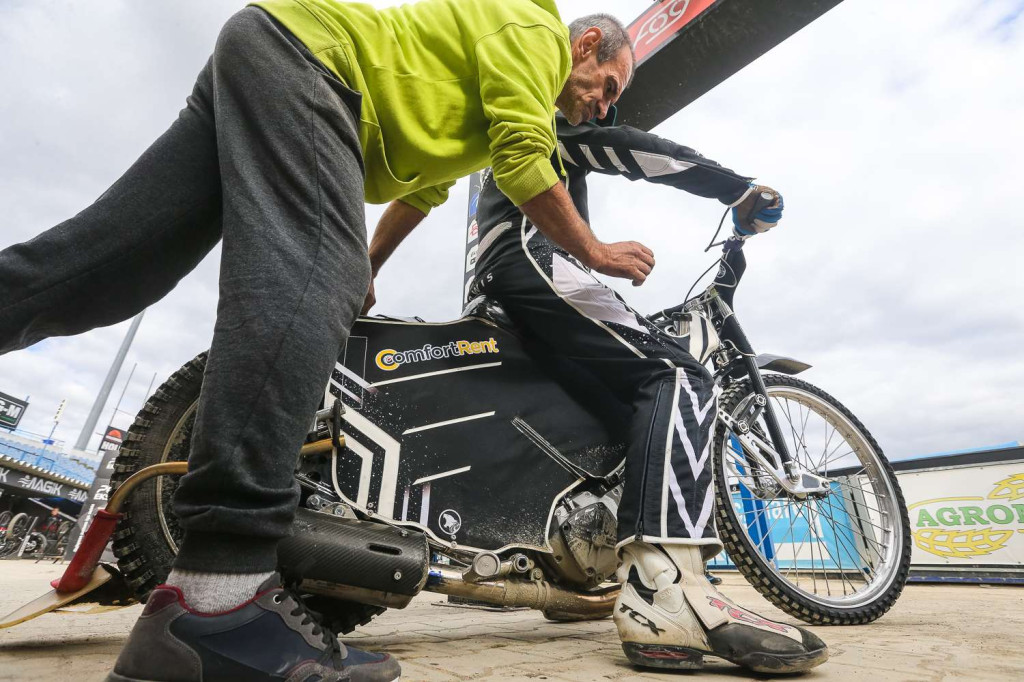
{"x": 273, "y": 637}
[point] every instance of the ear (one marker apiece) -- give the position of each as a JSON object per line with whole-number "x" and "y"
{"x": 587, "y": 43}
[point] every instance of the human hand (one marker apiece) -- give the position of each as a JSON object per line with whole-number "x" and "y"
{"x": 370, "y": 300}
{"x": 629, "y": 260}
{"x": 759, "y": 212}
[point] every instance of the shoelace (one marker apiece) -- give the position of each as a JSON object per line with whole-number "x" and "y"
{"x": 327, "y": 636}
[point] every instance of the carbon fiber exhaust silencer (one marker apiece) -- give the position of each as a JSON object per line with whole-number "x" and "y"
{"x": 355, "y": 560}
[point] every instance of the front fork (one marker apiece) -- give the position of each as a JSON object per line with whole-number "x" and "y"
{"x": 762, "y": 407}
{"x": 732, "y": 331}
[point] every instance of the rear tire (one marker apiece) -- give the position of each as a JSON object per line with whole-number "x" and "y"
{"x": 764, "y": 574}
{"x": 147, "y": 537}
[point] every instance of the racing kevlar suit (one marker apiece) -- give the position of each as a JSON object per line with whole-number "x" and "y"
{"x": 668, "y": 496}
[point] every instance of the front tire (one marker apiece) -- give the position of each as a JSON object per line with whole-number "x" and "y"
{"x": 856, "y": 544}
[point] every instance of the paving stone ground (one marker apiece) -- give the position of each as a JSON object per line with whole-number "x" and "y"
{"x": 934, "y": 633}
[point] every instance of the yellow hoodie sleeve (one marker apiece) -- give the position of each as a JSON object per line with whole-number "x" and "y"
{"x": 428, "y": 197}
{"x": 522, "y": 70}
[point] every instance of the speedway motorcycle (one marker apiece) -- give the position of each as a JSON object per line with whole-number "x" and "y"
{"x": 445, "y": 458}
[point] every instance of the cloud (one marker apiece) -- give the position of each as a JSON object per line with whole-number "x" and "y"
{"x": 893, "y": 131}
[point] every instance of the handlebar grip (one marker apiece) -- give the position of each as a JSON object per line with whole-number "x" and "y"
{"x": 762, "y": 200}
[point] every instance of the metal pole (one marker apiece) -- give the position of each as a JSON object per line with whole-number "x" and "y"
{"x": 108, "y": 383}
{"x": 149, "y": 391}
{"x": 123, "y": 391}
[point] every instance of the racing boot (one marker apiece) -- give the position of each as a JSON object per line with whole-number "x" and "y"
{"x": 272, "y": 637}
{"x": 670, "y": 616}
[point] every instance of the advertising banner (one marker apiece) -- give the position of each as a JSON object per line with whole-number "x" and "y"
{"x": 32, "y": 485}
{"x": 11, "y": 411}
{"x": 112, "y": 439}
{"x": 99, "y": 491}
{"x": 966, "y": 517}
{"x": 656, "y": 27}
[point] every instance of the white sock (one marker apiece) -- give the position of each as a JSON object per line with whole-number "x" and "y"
{"x": 216, "y": 592}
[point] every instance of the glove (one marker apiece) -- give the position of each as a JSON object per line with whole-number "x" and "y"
{"x": 758, "y": 212}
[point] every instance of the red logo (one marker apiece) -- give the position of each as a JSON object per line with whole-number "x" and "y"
{"x": 746, "y": 616}
{"x": 658, "y": 25}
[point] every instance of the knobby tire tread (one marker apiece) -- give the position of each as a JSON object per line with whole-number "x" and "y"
{"x": 740, "y": 549}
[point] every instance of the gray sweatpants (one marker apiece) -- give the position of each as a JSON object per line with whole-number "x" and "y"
{"x": 266, "y": 156}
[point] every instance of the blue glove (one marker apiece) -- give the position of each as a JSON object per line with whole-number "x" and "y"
{"x": 759, "y": 212}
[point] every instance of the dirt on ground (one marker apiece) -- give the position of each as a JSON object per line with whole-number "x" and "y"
{"x": 935, "y": 632}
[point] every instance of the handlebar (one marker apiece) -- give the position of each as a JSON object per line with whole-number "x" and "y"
{"x": 730, "y": 272}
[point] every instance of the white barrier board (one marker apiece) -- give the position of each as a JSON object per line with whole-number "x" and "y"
{"x": 966, "y": 516}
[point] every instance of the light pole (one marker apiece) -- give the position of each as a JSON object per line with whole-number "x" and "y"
{"x": 108, "y": 383}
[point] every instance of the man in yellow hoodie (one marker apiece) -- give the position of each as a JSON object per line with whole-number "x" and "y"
{"x": 305, "y": 109}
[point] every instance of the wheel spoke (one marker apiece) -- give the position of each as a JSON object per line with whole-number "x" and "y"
{"x": 803, "y": 431}
{"x": 796, "y": 553}
{"x": 868, "y": 541}
{"x": 783, "y": 511}
{"x": 839, "y": 569}
{"x": 828, "y": 442}
{"x": 829, "y": 457}
{"x": 810, "y": 531}
{"x": 798, "y": 440}
{"x": 866, "y": 505}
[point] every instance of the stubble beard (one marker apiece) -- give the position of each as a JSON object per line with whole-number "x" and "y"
{"x": 572, "y": 107}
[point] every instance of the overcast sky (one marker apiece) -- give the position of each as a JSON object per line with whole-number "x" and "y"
{"x": 892, "y": 129}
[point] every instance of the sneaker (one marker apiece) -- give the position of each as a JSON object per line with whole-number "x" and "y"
{"x": 273, "y": 637}
{"x": 669, "y": 616}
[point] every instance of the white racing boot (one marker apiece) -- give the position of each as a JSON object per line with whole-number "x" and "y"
{"x": 670, "y": 616}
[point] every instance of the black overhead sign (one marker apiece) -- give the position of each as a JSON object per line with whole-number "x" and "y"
{"x": 686, "y": 47}
{"x": 11, "y": 411}
{"x": 20, "y": 482}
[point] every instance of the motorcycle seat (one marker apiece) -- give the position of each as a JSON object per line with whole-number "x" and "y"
{"x": 490, "y": 310}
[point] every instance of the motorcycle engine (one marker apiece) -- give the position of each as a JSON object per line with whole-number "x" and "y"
{"x": 583, "y": 537}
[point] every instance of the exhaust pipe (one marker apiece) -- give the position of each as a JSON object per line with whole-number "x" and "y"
{"x": 356, "y": 560}
{"x": 556, "y": 602}
{"x": 377, "y": 564}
